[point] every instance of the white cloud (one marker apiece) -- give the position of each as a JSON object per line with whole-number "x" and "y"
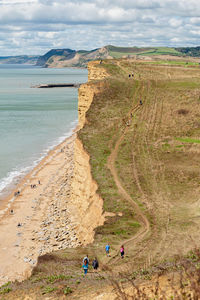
{"x": 175, "y": 22}
{"x": 35, "y": 26}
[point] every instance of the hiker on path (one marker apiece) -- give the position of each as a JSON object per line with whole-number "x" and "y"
{"x": 95, "y": 264}
{"x": 107, "y": 248}
{"x": 85, "y": 266}
{"x": 86, "y": 258}
{"x": 122, "y": 251}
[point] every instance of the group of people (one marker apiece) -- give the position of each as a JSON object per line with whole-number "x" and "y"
{"x": 33, "y": 186}
{"x": 107, "y": 248}
{"x": 95, "y": 263}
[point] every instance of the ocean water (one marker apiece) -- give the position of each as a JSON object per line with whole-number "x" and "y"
{"x": 33, "y": 121}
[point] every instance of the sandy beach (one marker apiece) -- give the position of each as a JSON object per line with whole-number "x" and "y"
{"x": 37, "y": 221}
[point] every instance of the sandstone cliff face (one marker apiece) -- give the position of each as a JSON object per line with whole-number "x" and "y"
{"x": 95, "y": 73}
{"x": 87, "y": 206}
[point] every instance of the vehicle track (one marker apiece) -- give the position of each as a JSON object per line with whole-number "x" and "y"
{"x": 145, "y": 225}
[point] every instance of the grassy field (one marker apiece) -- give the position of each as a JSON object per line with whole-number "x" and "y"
{"x": 118, "y": 52}
{"x": 157, "y": 164}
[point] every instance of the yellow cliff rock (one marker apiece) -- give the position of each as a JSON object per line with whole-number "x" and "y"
{"x": 87, "y": 205}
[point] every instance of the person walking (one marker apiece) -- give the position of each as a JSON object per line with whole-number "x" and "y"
{"x": 86, "y": 258}
{"x": 107, "y": 248}
{"x": 95, "y": 264}
{"x": 85, "y": 267}
{"x": 122, "y": 251}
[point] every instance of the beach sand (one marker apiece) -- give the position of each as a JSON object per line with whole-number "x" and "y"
{"x": 42, "y": 214}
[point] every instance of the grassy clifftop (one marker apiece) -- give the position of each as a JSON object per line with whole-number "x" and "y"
{"x": 145, "y": 161}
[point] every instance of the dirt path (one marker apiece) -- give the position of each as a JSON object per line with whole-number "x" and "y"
{"x": 145, "y": 226}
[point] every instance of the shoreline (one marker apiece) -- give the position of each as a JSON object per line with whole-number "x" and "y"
{"x": 26, "y": 220}
{"x": 8, "y": 191}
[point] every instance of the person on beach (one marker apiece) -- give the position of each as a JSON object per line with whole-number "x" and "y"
{"x": 95, "y": 264}
{"x": 107, "y": 248}
{"x": 85, "y": 266}
{"x": 122, "y": 251}
{"x": 86, "y": 258}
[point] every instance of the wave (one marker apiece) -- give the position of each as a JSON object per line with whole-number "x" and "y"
{"x": 15, "y": 175}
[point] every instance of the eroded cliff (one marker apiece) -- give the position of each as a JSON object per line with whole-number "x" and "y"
{"x": 87, "y": 205}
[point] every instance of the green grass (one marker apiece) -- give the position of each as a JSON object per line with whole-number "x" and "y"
{"x": 188, "y": 140}
{"x": 121, "y": 54}
{"x": 48, "y": 289}
{"x": 105, "y": 125}
{"x": 162, "y": 51}
{"x": 118, "y": 52}
{"x": 54, "y": 278}
{"x": 5, "y": 290}
{"x": 67, "y": 290}
{"x": 172, "y": 62}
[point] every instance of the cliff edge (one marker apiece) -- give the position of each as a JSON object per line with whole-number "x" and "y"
{"x": 86, "y": 205}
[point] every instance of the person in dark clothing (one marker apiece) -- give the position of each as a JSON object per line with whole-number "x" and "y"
{"x": 95, "y": 264}
{"x": 122, "y": 251}
{"x": 140, "y": 102}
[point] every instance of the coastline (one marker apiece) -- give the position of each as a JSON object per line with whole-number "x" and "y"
{"x": 61, "y": 212}
{"x": 16, "y": 183}
{"x": 34, "y": 209}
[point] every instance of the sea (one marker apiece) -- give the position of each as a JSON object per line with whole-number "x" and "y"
{"x": 33, "y": 120}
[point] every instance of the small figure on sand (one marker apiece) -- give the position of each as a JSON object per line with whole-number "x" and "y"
{"x": 17, "y": 193}
{"x": 95, "y": 264}
{"x": 140, "y": 102}
{"x": 38, "y": 181}
{"x": 107, "y": 248}
{"x": 85, "y": 266}
{"x": 86, "y": 258}
{"x": 122, "y": 251}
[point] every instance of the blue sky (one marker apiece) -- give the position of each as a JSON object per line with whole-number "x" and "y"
{"x": 36, "y": 26}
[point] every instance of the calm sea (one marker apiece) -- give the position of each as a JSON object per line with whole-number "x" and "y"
{"x": 33, "y": 121}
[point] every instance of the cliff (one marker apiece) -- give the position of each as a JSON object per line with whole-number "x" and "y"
{"x": 86, "y": 206}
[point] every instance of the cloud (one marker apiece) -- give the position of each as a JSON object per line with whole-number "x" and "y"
{"x": 35, "y": 26}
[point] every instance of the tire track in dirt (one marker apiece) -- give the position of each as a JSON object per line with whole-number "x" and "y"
{"x": 151, "y": 117}
{"x": 145, "y": 228}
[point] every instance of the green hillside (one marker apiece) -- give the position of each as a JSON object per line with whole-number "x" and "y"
{"x": 118, "y": 52}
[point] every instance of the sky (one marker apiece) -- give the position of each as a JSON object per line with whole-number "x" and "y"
{"x": 34, "y": 27}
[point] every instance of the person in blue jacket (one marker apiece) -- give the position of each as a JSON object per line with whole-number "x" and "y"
{"x": 107, "y": 248}
{"x": 85, "y": 266}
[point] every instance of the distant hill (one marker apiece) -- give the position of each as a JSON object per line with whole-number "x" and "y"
{"x": 21, "y": 59}
{"x": 59, "y": 58}
{"x": 71, "y": 58}
{"x": 190, "y": 51}
{"x": 66, "y": 53}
